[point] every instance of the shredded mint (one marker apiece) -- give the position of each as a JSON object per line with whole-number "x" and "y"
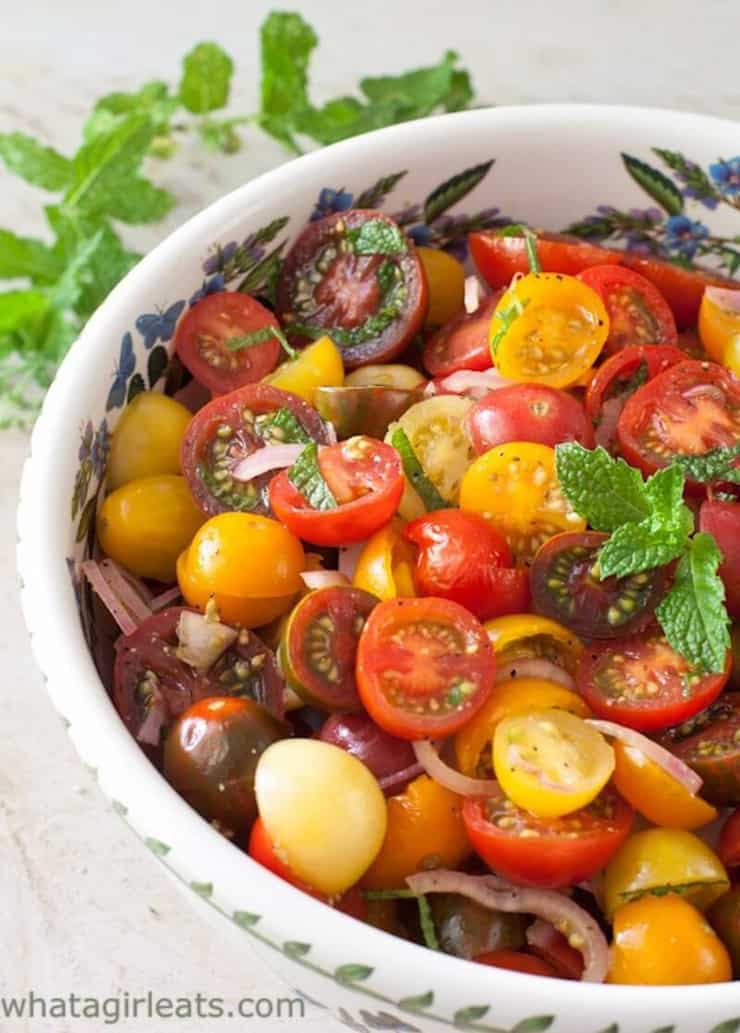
{"x": 426, "y": 921}
{"x": 281, "y": 427}
{"x": 422, "y": 485}
{"x": 238, "y": 343}
{"x": 721, "y": 464}
{"x": 503, "y": 321}
{"x": 377, "y": 237}
{"x": 306, "y": 477}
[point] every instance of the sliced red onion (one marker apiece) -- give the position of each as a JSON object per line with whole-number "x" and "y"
{"x": 474, "y": 292}
{"x": 581, "y": 930}
{"x": 474, "y": 384}
{"x": 671, "y": 764}
{"x": 606, "y": 430}
{"x": 323, "y": 579}
{"x": 725, "y": 297}
{"x": 550, "y": 944}
{"x": 331, "y": 433}
{"x": 400, "y": 778}
{"x": 271, "y": 457}
{"x": 202, "y": 641}
{"x": 134, "y": 594}
{"x": 436, "y": 768}
{"x": 348, "y": 557}
{"x": 150, "y": 730}
{"x": 165, "y": 599}
{"x": 534, "y": 667}
{"x": 118, "y": 610}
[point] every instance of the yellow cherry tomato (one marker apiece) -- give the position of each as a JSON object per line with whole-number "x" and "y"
{"x": 425, "y": 830}
{"x": 658, "y": 861}
{"x": 658, "y": 796}
{"x": 731, "y": 355}
{"x": 323, "y": 810}
{"x": 473, "y": 743}
{"x": 435, "y": 428}
{"x": 145, "y": 524}
{"x": 664, "y": 941}
{"x": 249, "y": 565}
{"x": 385, "y": 566}
{"x": 719, "y": 321}
{"x": 147, "y": 439}
{"x": 550, "y": 762}
{"x": 525, "y": 636}
{"x": 515, "y": 488}
{"x": 446, "y": 283}
{"x": 405, "y": 378}
{"x": 548, "y": 328}
{"x": 318, "y": 365}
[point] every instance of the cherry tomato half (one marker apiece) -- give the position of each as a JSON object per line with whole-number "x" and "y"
{"x": 356, "y": 277}
{"x": 656, "y": 794}
{"x": 365, "y": 477}
{"x": 262, "y": 850}
{"x": 722, "y": 520}
{"x": 463, "y": 342}
{"x": 710, "y": 744}
{"x": 233, "y": 427}
{"x": 527, "y": 412}
{"x": 462, "y": 558}
{"x": 517, "y": 961}
{"x": 566, "y": 587}
{"x": 643, "y": 683}
{"x": 424, "y": 667}
{"x": 618, "y": 378}
{"x": 209, "y": 336}
{"x": 728, "y": 847}
{"x": 638, "y": 312}
{"x": 546, "y": 852}
{"x": 319, "y": 646}
{"x": 689, "y": 409}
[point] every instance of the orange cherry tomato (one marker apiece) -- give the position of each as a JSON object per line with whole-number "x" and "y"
{"x": 658, "y": 796}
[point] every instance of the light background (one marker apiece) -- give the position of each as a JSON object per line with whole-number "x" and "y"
{"x": 83, "y": 907}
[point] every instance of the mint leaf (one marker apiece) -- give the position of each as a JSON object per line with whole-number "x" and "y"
{"x": 664, "y": 492}
{"x": 422, "y": 485}
{"x": 103, "y": 167}
{"x": 306, "y": 477}
{"x": 206, "y": 78}
{"x": 236, "y": 344}
{"x": 693, "y": 615}
{"x": 606, "y": 492}
{"x": 633, "y": 548}
{"x": 221, "y": 134}
{"x": 377, "y": 237}
{"x": 286, "y": 43}
{"x": 141, "y": 202}
{"x": 503, "y": 321}
{"x": 42, "y": 166}
{"x": 24, "y": 256}
{"x": 153, "y": 100}
{"x": 721, "y": 464}
{"x": 281, "y": 427}
{"x": 19, "y": 309}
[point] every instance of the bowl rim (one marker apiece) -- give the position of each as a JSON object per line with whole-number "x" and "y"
{"x": 56, "y": 633}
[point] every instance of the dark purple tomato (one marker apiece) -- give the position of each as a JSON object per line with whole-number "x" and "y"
{"x": 358, "y": 734}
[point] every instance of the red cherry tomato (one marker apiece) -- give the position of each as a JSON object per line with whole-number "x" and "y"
{"x": 462, "y": 558}
{"x": 638, "y": 312}
{"x": 366, "y": 479}
{"x": 499, "y": 257}
{"x": 553, "y": 947}
{"x": 527, "y": 412}
{"x": 371, "y": 303}
{"x": 228, "y": 430}
{"x": 643, "y": 683}
{"x": 618, "y": 378}
{"x": 722, "y": 520}
{"x": 729, "y": 841}
{"x": 547, "y": 852}
{"x": 262, "y": 850}
{"x": 424, "y": 667}
{"x": 517, "y": 961}
{"x": 208, "y": 336}
{"x": 691, "y": 408}
{"x": 463, "y": 342}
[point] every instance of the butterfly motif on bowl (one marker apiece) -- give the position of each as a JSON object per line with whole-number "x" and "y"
{"x": 124, "y": 369}
{"x": 159, "y": 325}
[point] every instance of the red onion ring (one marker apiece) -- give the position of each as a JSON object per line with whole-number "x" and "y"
{"x": 534, "y": 667}
{"x": 121, "y": 613}
{"x": 348, "y": 557}
{"x": 582, "y": 930}
{"x": 161, "y": 602}
{"x": 400, "y": 777}
{"x": 323, "y": 579}
{"x": 446, "y": 776}
{"x": 271, "y": 457}
{"x": 671, "y": 764}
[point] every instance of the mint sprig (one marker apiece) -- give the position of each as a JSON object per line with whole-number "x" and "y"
{"x": 721, "y": 464}
{"x": 415, "y": 473}
{"x": 307, "y": 478}
{"x": 650, "y": 526}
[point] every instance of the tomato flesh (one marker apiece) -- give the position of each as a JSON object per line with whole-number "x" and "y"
{"x": 638, "y": 313}
{"x": 643, "y": 683}
{"x": 528, "y": 412}
{"x": 462, "y": 558}
{"x": 712, "y": 749}
{"x": 691, "y": 408}
{"x": 566, "y": 588}
{"x": 371, "y": 303}
{"x": 463, "y": 342}
{"x": 366, "y": 478}
{"x": 547, "y": 852}
{"x": 319, "y": 646}
{"x": 517, "y": 961}
{"x": 208, "y": 338}
{"x": 228, "y": 430}
{"x": 722, "y": 520}
{"x": 424, "y": 667}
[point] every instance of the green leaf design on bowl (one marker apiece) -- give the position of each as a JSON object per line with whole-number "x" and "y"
{"x": 203, "y": 889}
{"x": 353, "y": 973}
{"x": 418, "y": 1003}
{"x": 465, "y": 1016}
{"x": 294, "y": 949}
{"x": 655, "y": 183}
{"x": 246, "y": 919}
{"x": 157, "y": 846}
{"x": 454, "y": 189}
{"x": 537, "y": 1024}
{"x": 729, "y": 1026}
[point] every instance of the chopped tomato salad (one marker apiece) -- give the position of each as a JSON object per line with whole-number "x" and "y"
{"x": 432, "y": 615}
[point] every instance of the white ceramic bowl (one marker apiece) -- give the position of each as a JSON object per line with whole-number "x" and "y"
{"x": 553, "y": 166}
